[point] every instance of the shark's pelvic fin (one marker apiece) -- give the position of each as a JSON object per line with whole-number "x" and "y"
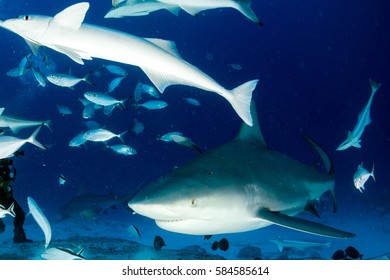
{"x": 71, "y": 17}
{"x": 302, "y": 225}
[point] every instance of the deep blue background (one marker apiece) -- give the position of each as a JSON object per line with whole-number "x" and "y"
{"x": 313, "y": 58}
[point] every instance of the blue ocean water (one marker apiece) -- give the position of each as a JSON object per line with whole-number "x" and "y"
{"x": 314, "y": 61}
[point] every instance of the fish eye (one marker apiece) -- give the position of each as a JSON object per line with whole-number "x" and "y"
{"x": 26, "y": 17}
{"x": 193, "y": 202}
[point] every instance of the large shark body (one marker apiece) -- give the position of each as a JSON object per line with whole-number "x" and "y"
{"x": 159, "y": 59}
{"x": 236, "y": 187}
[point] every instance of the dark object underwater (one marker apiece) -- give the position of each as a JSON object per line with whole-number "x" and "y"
{"x": 350, "y": 253}
{"x": 158, "y": 243}
{"x": 222, "y": 244}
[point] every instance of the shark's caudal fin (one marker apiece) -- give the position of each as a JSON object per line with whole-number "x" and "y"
{"x": 302, "y": 225}
{"x": 240, "y": 99}
{"x": 34, "y": 141}
{"x": 374, "y": 86}
{"x": 244, "y": 6}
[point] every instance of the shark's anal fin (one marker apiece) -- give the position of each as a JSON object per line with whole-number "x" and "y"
{"x": 302, "y": 225}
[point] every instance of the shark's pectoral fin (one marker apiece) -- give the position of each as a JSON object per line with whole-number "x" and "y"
{"x": 357, "y": 144}
{"x": 73, "y": 54}
{"x": 302, "y": 225}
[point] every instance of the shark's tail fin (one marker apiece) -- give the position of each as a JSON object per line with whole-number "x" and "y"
{"x": 374, "y": 86}
{"x": 34, "y": 141}
{"x": 244, "y": 6}
{"x": 240, "y": 99}
{"x": 11, "y": 210}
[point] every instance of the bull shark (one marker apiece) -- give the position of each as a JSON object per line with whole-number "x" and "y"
{"x": 238, "y": 186}
{"x": 159, "y": 59}
{"x": 364, "y": 119}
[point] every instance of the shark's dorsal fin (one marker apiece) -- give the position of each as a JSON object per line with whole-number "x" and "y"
{"x": 252, "y": 132}
{"x": 166, "y": 45}
{"x": 72, "y": 17}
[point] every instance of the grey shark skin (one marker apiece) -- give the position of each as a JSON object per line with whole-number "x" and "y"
{"x": 236, "y": 187}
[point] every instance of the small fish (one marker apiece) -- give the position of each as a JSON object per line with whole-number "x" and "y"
{"x": 222, "y": 244}
{"x": 153, "y": 104}
{"x": 40, "y": 218}
{"x": 235, "y": 66}
{"x": 9, "y": 144}
{"x": 353, "y": 253}
{"x": 185, "y": 141}
{"x": 167, "y": 137}
{"x": 64, "y": 80}
{"x": 61, "y": 180}
{"x": 138, "y": 127}
{"x": 114, "y": 69}
{"x": 89, "y": 110}
{"x": 192, "y": 101}
{"x": 103, "y": 99}
{"x": 102, "y": 135}
{"x": 141, "y": 88}
{"x": 361, "y": 176}
{"x": 9, "y": 211}
{"x": 78, "y": 140}
{"x": 133, "y": 231}
{"x": 115, "y": 83}
{"x": 123, "y": 149}
{"x": 39, "y": 77}
{"x": 158, "y": 243}
{"x": 64, "y": 110}
{"x": 58, "y": 253}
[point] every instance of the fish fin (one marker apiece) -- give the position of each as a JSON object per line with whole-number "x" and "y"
{"x": 191, "y": 10}
{"x": 2, "y": 110}
{"x": 310, "y": 207}
{"x": 15, "y": 129}
{"x": 72, "y": 17}
{"x": 323, "y": 155}
{"x": 302, "y": 225}
{"x": 247, "y": 132}
{"x": 47, "y": 124}
{"x": 75, "y": 55}
{"x": 240, "y": 99}
{"x": 86, "y": 78}
{"x": 120, "y": 136}
{"x": 11, "y": 209}
{"x": 159, "y": 80}
{"x": 244, "y": 7}
{"x": 166, "y": 45}
{"x": 34, "y": 141}
{"x": 174, "y": 11}
{"x": 357, "y": 144}
{"x": 280, "y": 247}
{"x": 34, "y": 47}
{"x": 372, "y": 172}
{"x": 374, "y": 86}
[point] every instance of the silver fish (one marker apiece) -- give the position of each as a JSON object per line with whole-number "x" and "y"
{"x": 361, "y": 176}
{"x": 153, "y": 104}
{"x": 102, "y": 135}
{"x": 115, "y": 83}
{"x": 78, "y": 140}
{"x": 117, "y": 70}
{"x": 9, "y": 211}
{"x": 123, "y": 149}
{"x": 9, "y": 144}
{"x": 65, "y": 80}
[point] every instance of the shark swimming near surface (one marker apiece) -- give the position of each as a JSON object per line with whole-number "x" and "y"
{"x": 159, "y": 59}
{"x": 236, "y": 187}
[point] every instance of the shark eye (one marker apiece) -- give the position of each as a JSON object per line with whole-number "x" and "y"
{"x": 193, "y": 202}
{"x": 24, "y": 17}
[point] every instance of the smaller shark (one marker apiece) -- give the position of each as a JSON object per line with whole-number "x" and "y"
{"x": 16, "y": 124}
{"x": 236, "y": 187}
{"x": 299, "y": 245}
{"x": 353, "y": 139}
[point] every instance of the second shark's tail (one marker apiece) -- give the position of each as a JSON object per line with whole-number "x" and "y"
{"x": 240, "y": 99}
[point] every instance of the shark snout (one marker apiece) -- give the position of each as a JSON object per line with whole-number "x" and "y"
{"x": 153, "y": 211}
